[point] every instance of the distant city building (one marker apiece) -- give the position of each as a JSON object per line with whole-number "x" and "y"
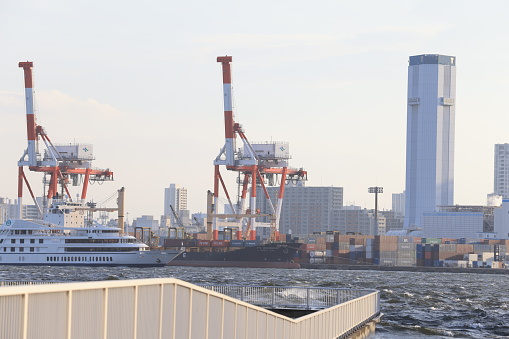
{"x": 501, "y": 169}
{"x": 502, "y": 220}
{"x": 305, "y": 209}
{"x": 430, "y": 135}
{"x": 146, "y": 221}
{"x": 357, "y": 220}
{"x": 9, "y": 210}
{"x": 458, "y": 221}
{"x": 177, "y": 198}
{"x": 393, "y": 220}
{"x": 398, "y": 204}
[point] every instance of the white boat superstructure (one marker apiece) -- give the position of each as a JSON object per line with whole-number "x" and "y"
{"x": 63, "y": 239}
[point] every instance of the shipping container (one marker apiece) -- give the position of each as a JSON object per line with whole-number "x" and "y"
{"x": 388, "y": 262}
{"x": 405, "y": 254}
{"x": 405, "y": 262}
{"x": 431, "y": 241}
{"x": 402, "y": 239}
{"x": 219, "y": 243}
{"x": 251, "y": 243}
{"x": 406, "y": 247}
{"x": 237, "y": 243}
{"x": 203, "y": 243}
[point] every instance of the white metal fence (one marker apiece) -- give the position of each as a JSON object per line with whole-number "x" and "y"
{"x": 308, "y": 298}
{"x": 163, "y": 308}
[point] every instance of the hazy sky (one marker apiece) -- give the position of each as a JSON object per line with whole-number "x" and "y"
{"x": 139, "y": 81}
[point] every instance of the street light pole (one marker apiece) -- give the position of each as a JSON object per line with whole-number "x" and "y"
{"x": 376, "y": 190}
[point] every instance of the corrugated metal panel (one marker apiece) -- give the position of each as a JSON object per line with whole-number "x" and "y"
{"x": 120, "y": 312}
{"x": 90, "y": 304}
{"x": 47, "y": 314}
{"x": 11, "y": 310}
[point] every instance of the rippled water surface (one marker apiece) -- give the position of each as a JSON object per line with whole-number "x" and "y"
{"x": 415, "y": 305}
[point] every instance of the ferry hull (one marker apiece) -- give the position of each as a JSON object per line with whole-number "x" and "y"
{"x": 250, "y": 264}
{"x": 272, "y": 255}
{"x": 136, "y": 259}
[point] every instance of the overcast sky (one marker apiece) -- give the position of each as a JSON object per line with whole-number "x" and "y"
{"x": 140, "y": 81}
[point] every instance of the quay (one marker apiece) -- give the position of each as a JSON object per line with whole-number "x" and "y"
{"x": 171, "y": 308}
{"x": 477, "y": 270}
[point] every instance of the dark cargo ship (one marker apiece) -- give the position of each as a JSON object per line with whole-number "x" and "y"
{"x": 234, "y": 253}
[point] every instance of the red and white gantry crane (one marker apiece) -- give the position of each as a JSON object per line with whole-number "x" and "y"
{"x": 62, "y": 163}
{"x": 256, "y": 162}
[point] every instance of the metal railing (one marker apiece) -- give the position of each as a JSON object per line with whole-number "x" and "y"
{"x": 286, "y": 297}
{"x": 173, "y": 309}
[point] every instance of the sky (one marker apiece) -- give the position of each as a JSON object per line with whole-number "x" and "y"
{"x": 140, "y": 81}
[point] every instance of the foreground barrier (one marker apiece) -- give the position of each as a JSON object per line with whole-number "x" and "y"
{"x": 171, "y": 308}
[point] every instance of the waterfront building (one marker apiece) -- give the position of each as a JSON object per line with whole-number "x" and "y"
{"x": 501, "y": 170}
{"x": 502, "y": 220}
{"x": 177, "y": 197}
{"x": 146, "y": 221}
{"x": 9, "y": 210}
{"x": 430, "y": 135}
{"x": 306, "y": 209}
{"x": 393, "y": 220}
{"x": 458, "y": 221}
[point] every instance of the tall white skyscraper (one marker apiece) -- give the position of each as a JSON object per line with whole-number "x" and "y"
{"x": 176, "y": 197}
{"x": 501, "y": 182}
{"x": 430, "y": 135}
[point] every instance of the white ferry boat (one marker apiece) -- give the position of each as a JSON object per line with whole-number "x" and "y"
{"x": 63, "y": 238}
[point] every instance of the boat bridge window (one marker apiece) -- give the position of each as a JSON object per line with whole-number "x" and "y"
{"x": 102, "y": 249}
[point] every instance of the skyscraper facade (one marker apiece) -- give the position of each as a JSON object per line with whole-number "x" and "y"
{"x": 177, "y": 198}
{"x": 430, "y": 135}
{"x": 501, "y": 184}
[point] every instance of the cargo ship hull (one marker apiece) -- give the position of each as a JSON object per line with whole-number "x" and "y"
{"x": 275, "y": 255}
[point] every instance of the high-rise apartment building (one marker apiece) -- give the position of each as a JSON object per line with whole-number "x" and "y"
{"x": 398, "y": 204}
{"x": 430, "y": 135}
{"x": 176, "y": 197}
{"x": 305, "y": 209}
{"x": 501, "y": 182}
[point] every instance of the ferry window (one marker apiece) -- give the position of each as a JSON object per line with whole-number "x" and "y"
{"x": 32, "y": 241}
{"x": 13, "y": 241}
{"x": 41, "y": 241}
{"x": 31, "y": 249}
{"x": 21, "y": 241}
{"x": 21, "y": 249}
{"x": 29, "y": 232}
{"x": 5, "y": 249}
{"x": 13, "y": 249}
{"x": 111, "y": 258}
